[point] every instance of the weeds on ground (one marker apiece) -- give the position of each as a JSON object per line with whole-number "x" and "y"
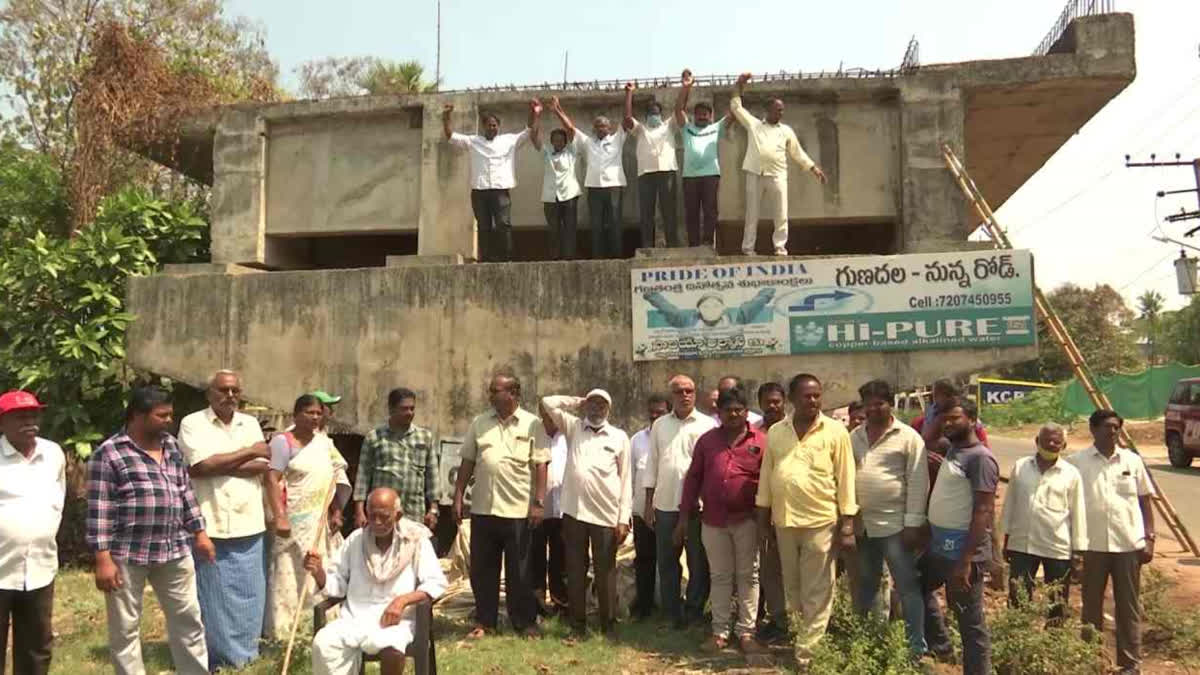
{"x": 1167, "y": 629}
{"x": 857, "y": 645}
{"x": 1024, "y": 642}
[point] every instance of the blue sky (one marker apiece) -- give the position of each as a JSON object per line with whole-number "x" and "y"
{"x": 1086, "y": 218}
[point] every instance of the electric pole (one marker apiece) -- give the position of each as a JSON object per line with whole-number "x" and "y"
{"x": 1182, "y": 215}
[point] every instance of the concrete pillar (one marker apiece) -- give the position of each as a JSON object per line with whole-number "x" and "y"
{"x": 447, "y": 225}
{"x": 237, "y": 208}
{"x": 933, "y": 209}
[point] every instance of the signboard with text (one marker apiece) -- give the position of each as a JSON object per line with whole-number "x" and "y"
{"x": 954, "y": 300}
{"x": 994, "y": 391}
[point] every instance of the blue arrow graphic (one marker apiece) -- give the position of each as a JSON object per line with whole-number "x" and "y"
{"x": 810, "y": 303}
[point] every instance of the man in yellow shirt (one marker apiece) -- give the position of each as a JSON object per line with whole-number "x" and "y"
{"x": 806, "y": 489}
{"x": 506, "y": 450}
{"x": 770, "y": 145}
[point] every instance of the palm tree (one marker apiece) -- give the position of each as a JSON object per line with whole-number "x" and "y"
{"x": 396, "y": 77}
{"x": 1150, "y": 305}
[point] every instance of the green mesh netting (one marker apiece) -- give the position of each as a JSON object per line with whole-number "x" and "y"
{"x": 1134, "y": 395}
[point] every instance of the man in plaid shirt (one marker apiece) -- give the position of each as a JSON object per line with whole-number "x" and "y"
{"x": 141, "y": 518}
{"x": 399, "y": 455}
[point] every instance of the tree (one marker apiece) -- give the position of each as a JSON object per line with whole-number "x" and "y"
{"x": 1180, "y": 333}
{"x": 361, "y": 76}
{"x": 45, "y": 53}
{"x": 1150, "y": 306}
{"x": 1101, "y": 325}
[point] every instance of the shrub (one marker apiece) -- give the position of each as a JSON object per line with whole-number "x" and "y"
{"x": 1167, "y": 629}
{"x": 1038, "y": 407}
{"x": 1024, "y": 642}
{"x": 856, "y": 645}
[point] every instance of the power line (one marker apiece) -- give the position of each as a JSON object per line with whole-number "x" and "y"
{"x": 1146, "y": 271}
{"x": 1107, "y": 174}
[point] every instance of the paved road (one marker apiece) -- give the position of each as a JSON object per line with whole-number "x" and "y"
{"x": 1182, "y": 486}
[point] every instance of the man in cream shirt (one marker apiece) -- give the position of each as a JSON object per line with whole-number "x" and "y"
{"x": 1044, "y": 519}
{"x": 597, "y": 500}
{"x": 766, "y": 165}
{"x": 32, "y": 489}
{"x": 672, "y": 439}
{"x": 227, "y": 459}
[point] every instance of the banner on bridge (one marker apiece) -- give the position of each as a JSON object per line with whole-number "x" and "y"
{"x": 967, "y": 299}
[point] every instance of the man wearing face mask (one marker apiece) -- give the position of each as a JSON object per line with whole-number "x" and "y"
{"x": 1044, "y": 520}
{"x": 701, "y": 165}
{"x": 560, "y": 187}
{"x": 605, "y": 178}
{"x": 656, "y": 168}
{"x": 491, "y": 177}
{"x": 597, "y": 500}
{"x": 766, "y": 165}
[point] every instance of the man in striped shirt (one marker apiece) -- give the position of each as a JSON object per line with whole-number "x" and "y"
{"x": 142, "y": 521}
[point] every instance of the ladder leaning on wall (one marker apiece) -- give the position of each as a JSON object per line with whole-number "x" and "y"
{"x": 1060, "y": 334}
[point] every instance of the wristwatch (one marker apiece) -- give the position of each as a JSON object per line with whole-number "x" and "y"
{"x": 540, "y": 503}
{"x": 1150, "y": 536}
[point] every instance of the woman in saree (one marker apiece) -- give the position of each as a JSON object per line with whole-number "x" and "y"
{"x": 307, "y": 479}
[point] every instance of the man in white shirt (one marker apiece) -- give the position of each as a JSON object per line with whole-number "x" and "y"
{"x": 891, "y": 482}
{"x": 383, "y": 570}
{"x": 597, "y": 500}
{"x": 1044, "y": 520}
{"x": 605, "y": 178}
{"x": 672, "y": 440}
{"x": 560, "y": 189}
{"x": 227, "y": 459}
{"x": 33, "y": 486}
{"x": 546, "y": 559}
{"x": 733, "y": 382}
{"x": 656, "y": 168}
{"x": 492, "y": 175}
{"x": 1120, "y": 532}
{"x": 645, "y": 559}
{"x": 771, "y": 143}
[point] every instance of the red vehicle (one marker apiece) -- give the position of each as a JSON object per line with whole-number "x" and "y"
{"x": 1182, "y": 422}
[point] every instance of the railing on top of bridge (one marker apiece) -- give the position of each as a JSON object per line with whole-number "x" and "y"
{"x": 912, "y": 56}
{"x": 1073, "y": 10}
{"x": 673, "y": 81}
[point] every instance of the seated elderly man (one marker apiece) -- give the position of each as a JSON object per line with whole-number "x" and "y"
{"x": 382, "y": 570}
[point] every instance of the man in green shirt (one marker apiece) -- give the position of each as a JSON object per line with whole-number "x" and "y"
{"x": 399, "y": 455}
{"x": 701, "y": 165}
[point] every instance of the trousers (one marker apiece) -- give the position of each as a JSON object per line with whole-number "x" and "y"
{"x": 604, "y": 212}
{"x": 493, "y": 217}
{"x": 967, "y": 607}
{"x": 1023, "y": 568}
{"x": 658, "y": 187}
{"x": 30, "y": 614}
{"x": 774, "y": 189}
{"x": 1126, "y": 574}
{"x": 602, "y": 542}
{"x": 700, "y": 209}
{"x": 494, "y": 539}
{"x": 174, "y": 582}
{"x": 563, "y": 220}
{"x": 645, "y": 567}
{"x": 670, "y": 573}
{"x": 733, "y": 561}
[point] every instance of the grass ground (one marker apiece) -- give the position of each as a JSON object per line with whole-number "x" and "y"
{"x": 81, "y": 645}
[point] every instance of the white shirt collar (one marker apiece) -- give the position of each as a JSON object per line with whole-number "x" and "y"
{"x": 10, "y": 450}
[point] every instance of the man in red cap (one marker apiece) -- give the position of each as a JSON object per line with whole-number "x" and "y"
{"x": 32, "y": 488}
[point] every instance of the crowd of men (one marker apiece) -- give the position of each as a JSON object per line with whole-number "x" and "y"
{"x": 492, "y": 173}
{"x": 773, "y": 501}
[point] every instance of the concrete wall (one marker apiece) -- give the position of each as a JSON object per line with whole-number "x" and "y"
{"x": 350, "y": 174}
{"x": 443, "y": 329}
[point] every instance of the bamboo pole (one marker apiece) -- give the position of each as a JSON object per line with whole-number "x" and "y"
{"x": 1063, "y": 337}
{"x": 287, "y": 654}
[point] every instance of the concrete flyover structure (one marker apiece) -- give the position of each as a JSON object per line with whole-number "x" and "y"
{"x": 340, "y": 227}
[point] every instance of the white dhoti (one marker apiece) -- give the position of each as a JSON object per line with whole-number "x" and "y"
{"x": 338, "y": 647}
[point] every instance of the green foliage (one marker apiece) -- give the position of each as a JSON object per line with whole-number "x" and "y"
{"x": 1102, "y": 327}
{"x": 361, "y": 75}
{"x": 1037, "y": 407}
{"x": 1168, "y": 630}
{"x": 1025, "y": 643}
{"x": 856, "y": 645}
{"x": 31, "y": 194}
{"x": 64, "y": 316}
{"x": 1179, "y": 333}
